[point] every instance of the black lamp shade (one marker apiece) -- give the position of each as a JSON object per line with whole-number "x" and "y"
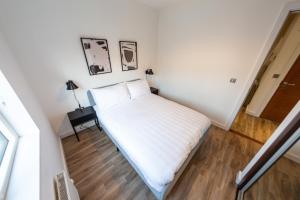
{"x": 149, "y": 72}
{"x": 71, "y": 85}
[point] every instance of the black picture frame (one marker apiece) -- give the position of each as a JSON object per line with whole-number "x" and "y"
{"x": 104, "y": 64}
{"x": 134, "y": 57}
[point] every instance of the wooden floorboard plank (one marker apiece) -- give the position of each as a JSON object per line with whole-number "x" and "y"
{"x": 255, "y": 128}
{"x": 100, "y": 172}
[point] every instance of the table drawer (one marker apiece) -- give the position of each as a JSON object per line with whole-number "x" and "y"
{"x": 82, "y": 120}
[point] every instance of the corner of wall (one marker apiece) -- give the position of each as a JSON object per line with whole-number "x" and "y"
{"x": 220, "y": 125}
{"x": 251, "y": 112}
{"x": 62, "y": 152}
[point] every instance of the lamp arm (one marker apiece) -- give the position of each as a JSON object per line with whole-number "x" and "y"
{"x": 77, "y": 100}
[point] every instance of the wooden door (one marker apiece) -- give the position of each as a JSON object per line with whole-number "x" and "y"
{"x": 286, "y": 96}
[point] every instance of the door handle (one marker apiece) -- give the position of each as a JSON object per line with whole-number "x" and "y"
{"x": 289, "y": 84}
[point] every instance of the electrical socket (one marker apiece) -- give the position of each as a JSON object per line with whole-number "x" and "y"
{"x": 233, "y": 80}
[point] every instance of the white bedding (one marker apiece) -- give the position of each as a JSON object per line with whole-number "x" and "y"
{"x": 157, "y": 135}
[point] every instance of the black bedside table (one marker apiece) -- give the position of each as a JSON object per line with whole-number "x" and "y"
{"x": 154, "y": 90}
{"x": 79, "y": 117}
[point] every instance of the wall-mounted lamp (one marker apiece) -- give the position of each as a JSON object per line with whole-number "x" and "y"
{"x": 149, "y": 72}
{"x": 72, "y": 86}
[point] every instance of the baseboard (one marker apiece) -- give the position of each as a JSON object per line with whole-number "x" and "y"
{"x": 293, "y": 157}
{"x": 62, "y": 153}
{"x": 251, "y": 112}
{"x": 78, "y": 129}
{"x": 218, "y": 124}
{"x": 66, "y": 134}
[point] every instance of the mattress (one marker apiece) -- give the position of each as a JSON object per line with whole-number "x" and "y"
{"x": 157, "y": 135}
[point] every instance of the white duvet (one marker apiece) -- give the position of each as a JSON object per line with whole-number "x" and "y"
{"x": 157, "y": 135}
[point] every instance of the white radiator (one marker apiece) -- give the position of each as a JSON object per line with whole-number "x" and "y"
{"x": 65, "y": 188}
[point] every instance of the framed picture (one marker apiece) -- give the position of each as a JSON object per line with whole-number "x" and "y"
{"x": 128, "y": 52}
{"x": 96, "y": 55}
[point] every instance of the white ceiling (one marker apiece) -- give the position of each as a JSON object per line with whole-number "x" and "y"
{"x": 159, "y": 4}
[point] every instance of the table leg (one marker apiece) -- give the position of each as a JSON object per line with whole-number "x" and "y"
{"x": 98, "y": 125}
{"x": 75, "y": 133}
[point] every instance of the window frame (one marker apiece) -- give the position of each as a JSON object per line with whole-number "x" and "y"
{"x": 9, "y": 155}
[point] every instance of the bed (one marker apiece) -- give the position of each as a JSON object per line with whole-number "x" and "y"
{"x": 158, "y": 137}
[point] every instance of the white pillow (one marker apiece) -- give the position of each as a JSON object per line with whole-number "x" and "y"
{"x": 138, "y": 88}
{"x": 107, "y": 97}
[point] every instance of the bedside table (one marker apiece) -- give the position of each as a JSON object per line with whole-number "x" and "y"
{"x": 154, "y": 90}
{"x": 79, "y": 117}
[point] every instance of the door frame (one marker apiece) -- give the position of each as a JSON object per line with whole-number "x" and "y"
{"x": 286, "y": 10}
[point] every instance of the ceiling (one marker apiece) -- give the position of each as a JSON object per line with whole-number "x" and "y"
{"x": 159, "y": 4}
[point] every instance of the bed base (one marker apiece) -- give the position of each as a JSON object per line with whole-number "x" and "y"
{"x": 167, "y": 189}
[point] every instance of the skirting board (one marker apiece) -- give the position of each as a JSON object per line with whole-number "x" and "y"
{"x": 66, "y": 134}
{"x": 214, "y": 122}
{"x": 252, "y": 113}
{"x": 62, "y": 153}
{"x": 220, "y": 125}
{"x": 78, "y": 129}
{"x": 293, "y": 157}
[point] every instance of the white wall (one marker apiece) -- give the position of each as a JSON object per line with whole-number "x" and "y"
{"x": 45, "y": 37}
{"x": 38, "y": 157}
{"x": 286, "y": 57}
{"x": 202, "y": 44}
{"x": 294, "y": 153}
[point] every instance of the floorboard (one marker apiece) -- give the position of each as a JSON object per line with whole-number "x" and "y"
{"x": 282, "y": 181}
{"x": 101, "y": 172}
{"x": 255, "y": 128}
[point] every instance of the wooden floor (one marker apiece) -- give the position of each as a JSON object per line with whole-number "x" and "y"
{"x": 255, "y": 128}
{"x": 100, "y": 172}
{"x": 282, "y": 181}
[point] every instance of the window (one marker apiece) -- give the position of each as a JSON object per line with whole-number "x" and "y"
{"x": 8, "y": 145}
{"x": 3, "y": 145}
